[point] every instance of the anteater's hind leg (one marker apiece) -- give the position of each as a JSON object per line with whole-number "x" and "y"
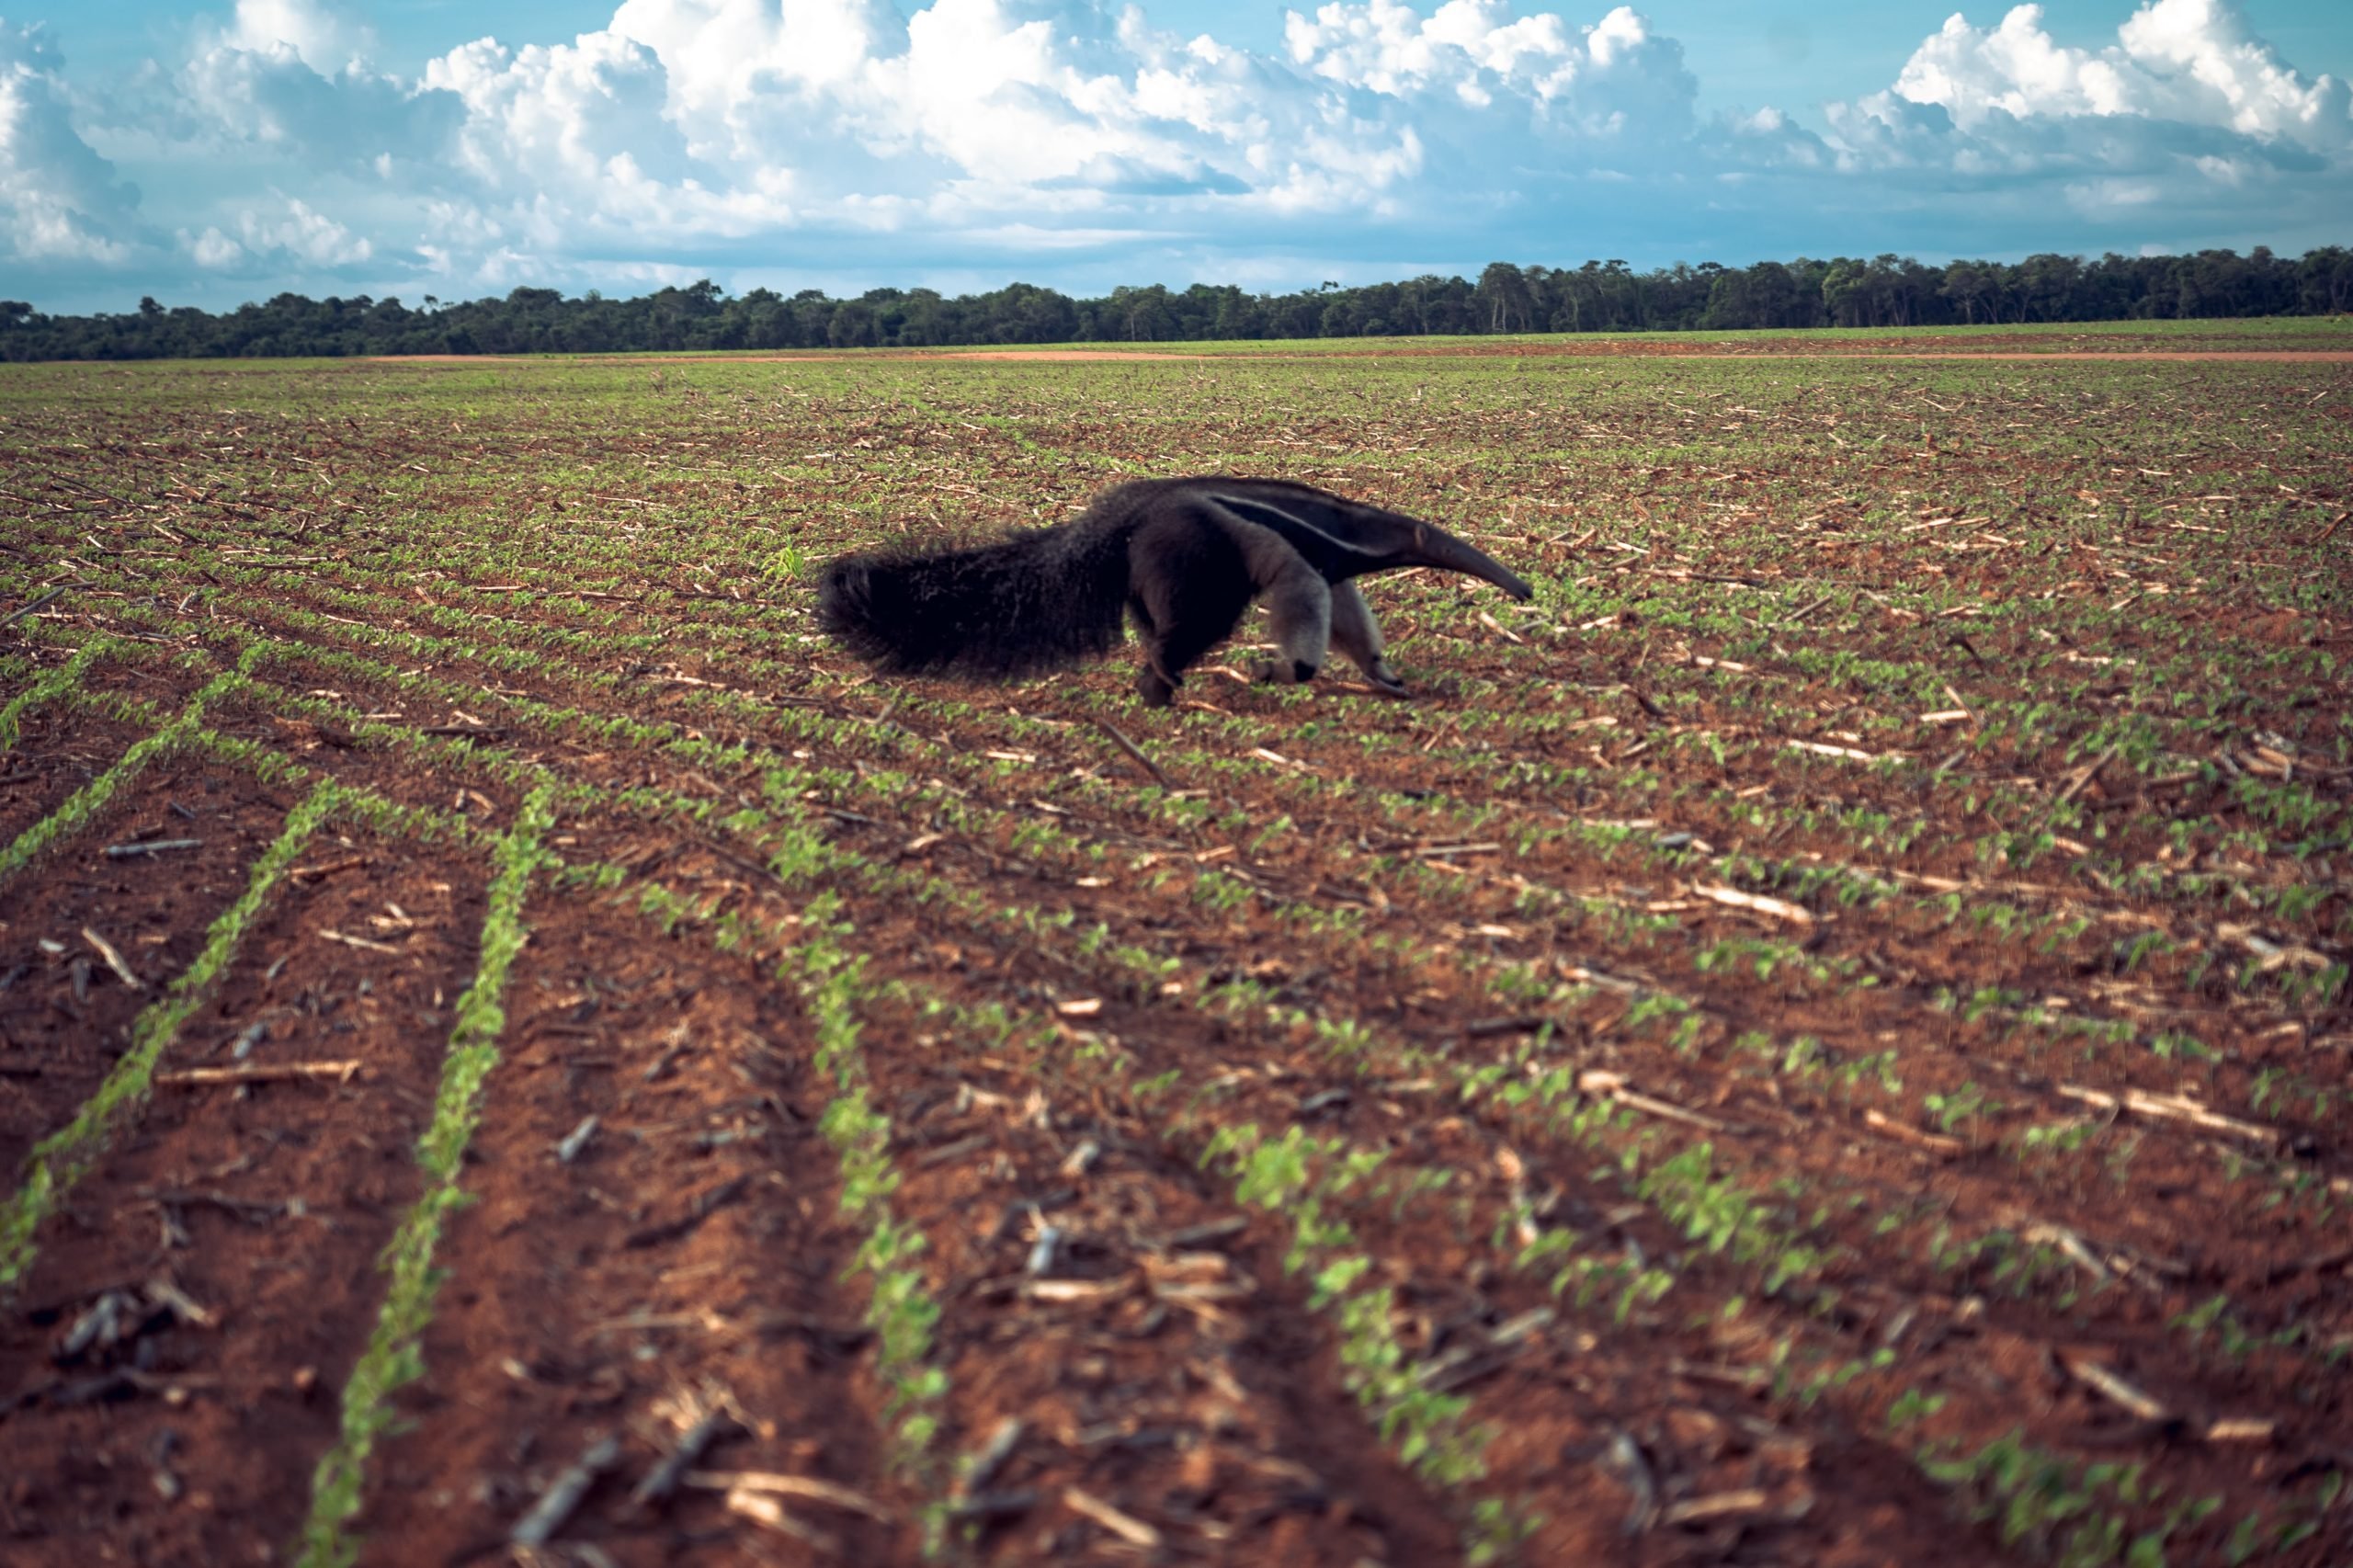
{"x": 1189, "y": 582}
{"x": 1356, "y": 634}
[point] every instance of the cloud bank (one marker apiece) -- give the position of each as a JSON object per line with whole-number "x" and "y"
{"x": 969, "y": 143}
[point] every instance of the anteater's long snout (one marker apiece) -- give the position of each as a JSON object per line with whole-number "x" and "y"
{"x": 1435, "y": 547}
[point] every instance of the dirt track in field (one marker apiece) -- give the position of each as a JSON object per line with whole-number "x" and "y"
{"x": 1565, "y": 349}
{"x": 1811, "y": 1043}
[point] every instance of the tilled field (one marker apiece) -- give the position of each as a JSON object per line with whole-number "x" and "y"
{"x": 1821, "y": 1039}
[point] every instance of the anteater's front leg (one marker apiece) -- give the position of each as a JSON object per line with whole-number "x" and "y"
{"x": 1155, "y": 685}
{"x": 1356, "y": 634}
{"x": 1299, "y": 606}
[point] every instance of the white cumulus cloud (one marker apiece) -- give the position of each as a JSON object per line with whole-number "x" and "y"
{"x": 2186, "y": 125}
{"x": 2189, "y": 63}
{"x": 212, "y": 249}
{"x": 1613, "y": 76}
{"x": 2214, "y": 71}
{"x": 328, "y": 38}
{"x": 304, "y": 235}
{"x": 60, "y": 201}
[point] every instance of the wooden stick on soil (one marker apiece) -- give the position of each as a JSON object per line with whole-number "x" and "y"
{"x": 577, "y": 1139}
{"x": 151, "y": 846}
{"x": 1933, "y": 1141}
{"x": 555, "y": 1505}
{"x": 2170, "y": 1108}
{"x": 1613, "y": 1084}
{"x": 1136, "y": 752}
{"x": 162, "y": 1292}
{"x": 1623, "y": 1458}
{"x": 1127, "y": 1527}
{"x": 768, "y": 1511}
{"x": 1779, "y": 909}
{"x": 1670, "y": 1111}
{"x": 114, "y": 960}
{"x": 358, "y": 942}
{"x": 1497, "y": 627}
{"x": 982, "y": 1467}
{"x": 1715, "y": 1506}
{"x": 2107, "y": 1383}
{"x": 808, "y": 1488}
{"x": 262, "y": 1071}
{"x": 20, "y": 613}
{"x": 1797, "y": 615}
{"x": 2084, "y": 776}
{"x": 2073, "y": 1246}
{"x": 664, "y": 1478}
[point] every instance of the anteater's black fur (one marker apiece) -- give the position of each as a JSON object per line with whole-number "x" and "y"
{"x": 1040, "y": 600}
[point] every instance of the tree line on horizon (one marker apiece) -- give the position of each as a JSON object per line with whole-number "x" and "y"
{"x": 1600, "y": 296}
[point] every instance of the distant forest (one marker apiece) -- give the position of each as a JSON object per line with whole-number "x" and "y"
{"x": 1600, "y": 296}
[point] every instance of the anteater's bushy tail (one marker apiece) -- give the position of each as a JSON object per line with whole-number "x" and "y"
{"x": 1035, "y": 602}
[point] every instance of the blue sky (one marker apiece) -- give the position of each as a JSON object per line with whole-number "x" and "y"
{"x": 464, "y": 147}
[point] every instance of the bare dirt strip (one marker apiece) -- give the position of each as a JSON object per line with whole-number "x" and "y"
{"x": 59, "y": 753}
{"x": 65, "y": 1015}
{"x": 171, "y": 1373}
{"x": 657, "y": 1220}
{"x": 1610, "y": 349}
